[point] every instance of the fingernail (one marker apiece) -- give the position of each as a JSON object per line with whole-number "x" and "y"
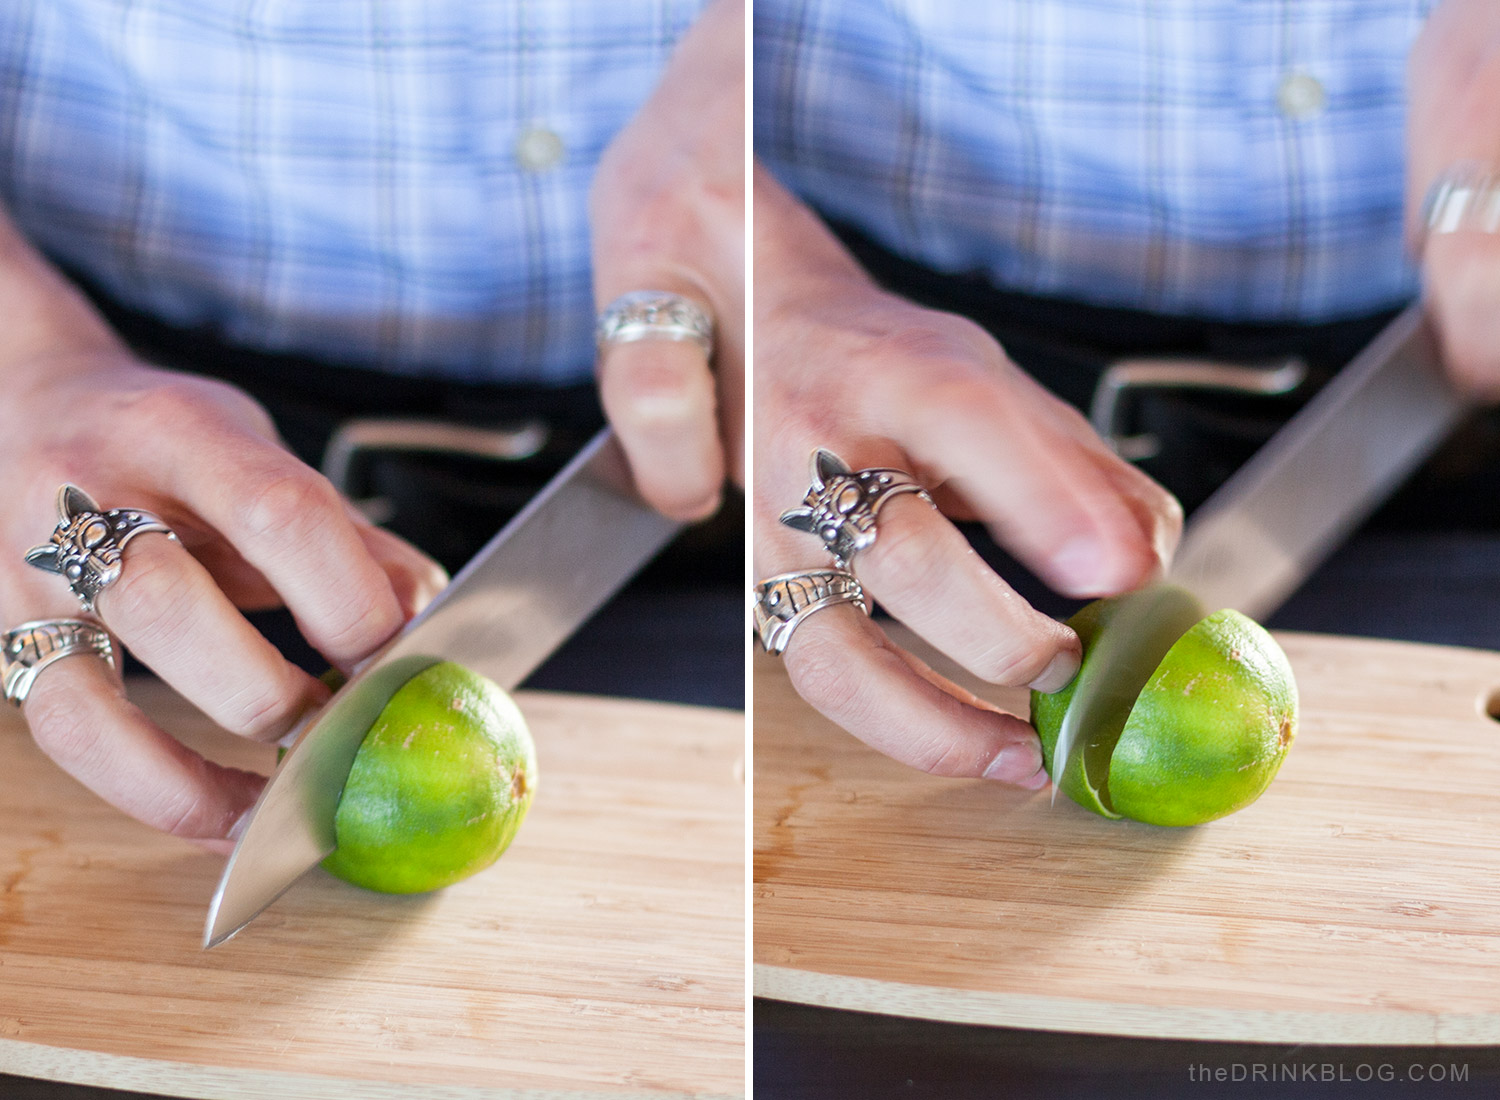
{"x": 1079, "y": 567}
{"x": 1019, "y": 764}
{"x": 705, "y": 508}
{"x": 1058, "y": 674}
{"x": 238, "y": 828}
{"x": 289, "y": 738}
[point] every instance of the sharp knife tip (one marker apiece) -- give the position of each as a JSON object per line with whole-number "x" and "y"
{"x": 212, "y": 941}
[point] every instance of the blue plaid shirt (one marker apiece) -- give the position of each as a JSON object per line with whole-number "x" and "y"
{"x": 1237, "y": 159}
{"x": 380, "y": 182}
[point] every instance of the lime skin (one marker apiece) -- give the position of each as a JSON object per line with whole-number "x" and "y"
{"x": 438, "y": 788}
{"x": 1205, "y": 737}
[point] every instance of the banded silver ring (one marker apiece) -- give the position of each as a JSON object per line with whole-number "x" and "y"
{"x": 654, "y": 315}
{"x": 842, "y": 505}
{"x": 86, "y": 545}
{"x": 785, "y": 601}
{"x": 27, "y": 649}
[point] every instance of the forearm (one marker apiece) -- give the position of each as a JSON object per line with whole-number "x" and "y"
{"x": 1454, "y": 86}
{"x": 42, "y": 315}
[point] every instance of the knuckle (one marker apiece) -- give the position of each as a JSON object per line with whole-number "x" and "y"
{"x": 167, "y": 407}
{"x": 363, "y": 626}
{"x": 908, "y": 553}
{"x": 949, "y": 758}
{"x": 150, "y": 598}
{"x": 260, "y": 709}
{"x": 958, "y": 404}
{"x": 62, "y": 727}
{"x": 1011, "y": 663}
{"x": 190, "y": 816}
{"x": 942, "y": 341}
{"x": 291, "y": 505}
{"x": 822, "y": 673}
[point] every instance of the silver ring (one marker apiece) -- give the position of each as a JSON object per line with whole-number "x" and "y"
{"x": 654, "y": 315}
{"x": 86, "y": 545}
{"x": 782, "y": 602}
{"x": 31, "y": 647}
{"x": 1465, "y": 197}
{"x": 842, "y": 505}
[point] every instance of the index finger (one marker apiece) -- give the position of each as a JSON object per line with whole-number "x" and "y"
{"x": 1044, "y": 497}
{"x": 291, "y": 524}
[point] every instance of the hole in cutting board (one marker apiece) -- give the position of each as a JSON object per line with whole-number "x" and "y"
{"x": 1491, "y": 704}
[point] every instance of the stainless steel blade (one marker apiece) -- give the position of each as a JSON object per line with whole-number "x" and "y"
{"x": 1258, "y": 537}
{"x": 1126, "y": 653}
{"x": 571, "y": 548}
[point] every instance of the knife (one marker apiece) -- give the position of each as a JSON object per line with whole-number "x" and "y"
{"x": 1264, "y": 530}
{"x": 564, "y": 554}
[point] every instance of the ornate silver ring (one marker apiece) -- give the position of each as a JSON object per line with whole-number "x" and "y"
{"x": 1464, "y": 198}
{"x": 842, "y": 505}
{"x": 85, "y": 548}
{"x": 654, "y": 315}
{"x": 31, "y": 647}
{"x": 782, "y": 602}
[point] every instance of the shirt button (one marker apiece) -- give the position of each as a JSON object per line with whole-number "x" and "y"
{"x": 539, "y": 149}
{"x": 1300, "y": 95}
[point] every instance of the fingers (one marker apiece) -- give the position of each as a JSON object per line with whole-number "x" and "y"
{"x": 80, "y": 717}
{"x": 729, "y": 366}
{"x": 923, "y": 571}
{"x": 660, "y": 395}
{"x": 167, "y": 609}
{"x": 1043, "y": 495}
{"x": 1157, "y": 512}
{"x": 846, "y": 668}
{"x": 1462, "y": 286}
{"x": 415, "y": 578}
{"x": 289, "y": 524}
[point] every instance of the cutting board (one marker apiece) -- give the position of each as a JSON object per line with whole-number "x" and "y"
{"x": 1358, "y": 901}
{"x": 602, "y": 957}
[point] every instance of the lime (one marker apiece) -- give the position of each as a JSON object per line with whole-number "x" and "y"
{"x": 439, "y": 786}
{"x": 1205, "y": 736}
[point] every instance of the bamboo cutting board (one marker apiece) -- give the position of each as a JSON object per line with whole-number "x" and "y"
{"x": 1358, "y": 901}
{"x": 603, "y": 956}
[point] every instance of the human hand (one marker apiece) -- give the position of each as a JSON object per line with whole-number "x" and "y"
{"x": 668, "y": 213}
{"x": 1454, "y": 81}
{"x": 257, "y": 529}
{"x": 843, "y": 365}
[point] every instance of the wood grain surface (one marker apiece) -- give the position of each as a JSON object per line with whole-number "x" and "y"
{"x": 1358, "y": 901}
{"x": 603, "y": 956}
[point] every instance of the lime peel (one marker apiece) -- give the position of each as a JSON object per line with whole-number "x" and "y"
{"x": 439, "y": 785}
{"x": 1205, "y": 736}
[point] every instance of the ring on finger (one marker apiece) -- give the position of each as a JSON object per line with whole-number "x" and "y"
{"x": 842, "y": 505}
{"x": 654, "y": 315}
{"x": 27, "y": 649}
{"x": 785, "y": 601}
{"x": 87, "y": 544}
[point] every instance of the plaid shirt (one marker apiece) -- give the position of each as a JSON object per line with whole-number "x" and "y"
{"x": 378, "y": 182}
{"x": 1237, "y": 159}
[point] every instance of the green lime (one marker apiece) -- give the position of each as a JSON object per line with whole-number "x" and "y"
{"x": 1205, "y": 737}
{"x": 439, "y": 786}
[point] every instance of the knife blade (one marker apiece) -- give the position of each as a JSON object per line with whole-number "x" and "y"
{"x": 1251, "y": 544}
{"x": 564, "y": 554}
